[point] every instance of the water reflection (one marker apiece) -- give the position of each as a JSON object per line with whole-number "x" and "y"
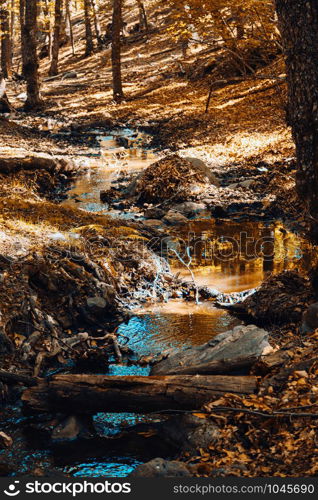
{"x": 124, "y": 151}
{"x": 234, "y": 256}
{"x": 224, "y": 255}
{"x": 175, "y": 324}
{"x": 118, "y": 467}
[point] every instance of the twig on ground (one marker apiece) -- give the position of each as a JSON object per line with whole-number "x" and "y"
{"x": 187, "y": 265}
{"x": 228, "y": 409}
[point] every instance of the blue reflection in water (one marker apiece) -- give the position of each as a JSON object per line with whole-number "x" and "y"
{"x": 155, "y": 332}
{"x": 122, "y": 370}
{"x": 110, "y": 424}
{"x": 118, "y": 467}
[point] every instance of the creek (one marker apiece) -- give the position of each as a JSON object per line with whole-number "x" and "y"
{"x": 227, "y": 255}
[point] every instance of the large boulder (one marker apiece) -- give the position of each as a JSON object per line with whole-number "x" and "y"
{"x": 189, "y": 208}
{"x": 190, "y": 432}
{"x": 310, "y": 319}
{"x": 35, "y": 163}
{"x": 173, "y": 218}
{"x": 72, "y": 428}
{"x": 204, "y": 169}
{"x": 172, "y": 178}
{"x": 230, "y": 351}
{"x": 158, "y": 467}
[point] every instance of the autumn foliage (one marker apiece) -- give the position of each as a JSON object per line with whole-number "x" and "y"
{"x": 246, "y": 29}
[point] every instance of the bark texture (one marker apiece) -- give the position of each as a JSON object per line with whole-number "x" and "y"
{"x": 57, "y": 35}
{"x": 116, "y": 50}
{"x": 47, "y": 23}
{"x": 98, "y": 393}
{"x": 298, "y": 23}
{"x": 70, "y": 26}
{"x": 98, "y": 30}
{"x": 143, "y": 21}
{"x": 23, "y": 42}
{"x": 31, "y": 66}
{"x": 88, "y": 29}
{"x": 6, "y": 48}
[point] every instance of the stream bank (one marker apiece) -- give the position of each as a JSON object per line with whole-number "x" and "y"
{"x": 93, "y": 254}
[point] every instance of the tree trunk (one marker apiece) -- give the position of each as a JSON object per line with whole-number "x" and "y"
{"x": 12, "y": 26}
{"x": 298, "y": 23}
{"x": 239, "y": 22}
{"x": 23, "y": 46}
{"x": 143, "y": 21}
{"x": 97, "y": 25}
{"x": 47, "y": 18}
{"x": 88, "y": 29}
{"x": 99, "y": 393}
{"x": 31, "y": 65}
{"x": 6, "y": 51}
{"x": 56, "y": 40}
{"x": 116, "y": 50}
{"x": 70, "y": 27}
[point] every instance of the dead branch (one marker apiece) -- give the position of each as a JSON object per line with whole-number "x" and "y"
{"x": 239, "y": 79}
{"x": 144, "y": 92}
{"x": 228, "y": 409}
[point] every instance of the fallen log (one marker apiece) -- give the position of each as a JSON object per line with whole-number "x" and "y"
{"x": 98, "y": 393}
{"x": 16, "y": 378}
{"x": 144, "y": 92}
{"x": 230, "y": 351}
{"x": 33, "y": 163}
{"x": 267, "y": 363}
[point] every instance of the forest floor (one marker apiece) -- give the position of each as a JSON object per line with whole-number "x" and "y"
{"x": 165, "y": 95}
{"x": 243, "y": 130}
{"x": 246, "y": 120}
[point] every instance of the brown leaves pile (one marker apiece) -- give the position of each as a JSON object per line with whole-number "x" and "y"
{"x": 282, "y": 298}
{"x": 168, "y": 179}
{"x": 265, "y": 434}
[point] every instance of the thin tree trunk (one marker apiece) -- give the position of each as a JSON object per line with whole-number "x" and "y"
{"x": 239, "y": 22}
{"x": 116, "y": 51}
{"x": 70, "y": 27}
{"x": 31, "y": 65}
{"x": 298, "y": 22}
{"x": 97, "y": 25}
{"x": 47, "y": 16}
{"x": 88, "y": 29}
{"x": 5, "y": 40}
{"x": 12, "y": 26}
{"x": 56, "y": 40}
{"x": 143, "y": 21}
{"x": 23, "y": 45}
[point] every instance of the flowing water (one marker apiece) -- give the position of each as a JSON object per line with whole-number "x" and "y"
{"x": 122, "y": 152}
{"x": 225, "y": 255}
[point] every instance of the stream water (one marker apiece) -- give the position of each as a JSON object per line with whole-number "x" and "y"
{"x": 226, "y": 255}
